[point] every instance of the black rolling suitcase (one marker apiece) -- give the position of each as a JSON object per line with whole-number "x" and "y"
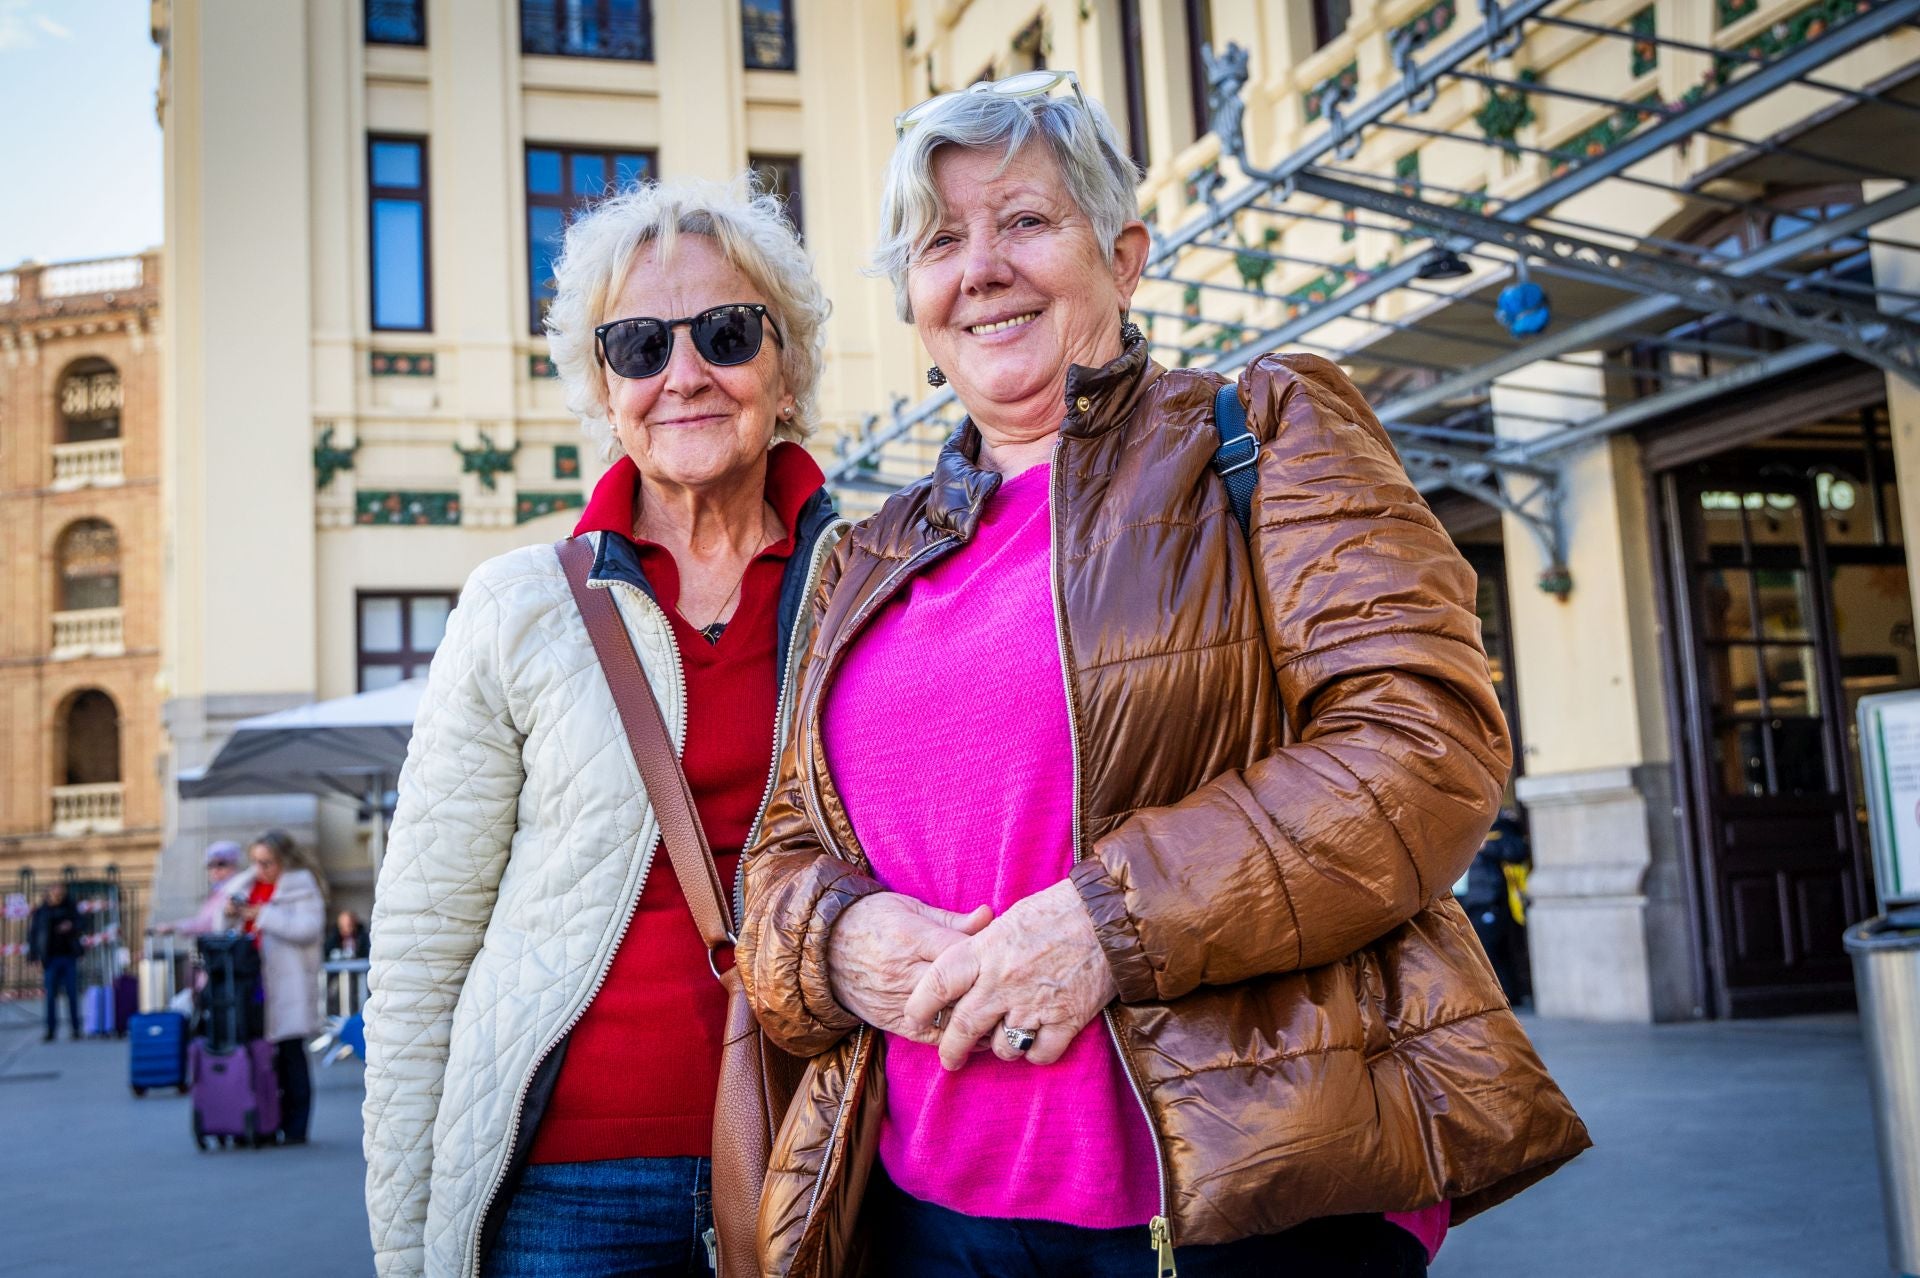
{"x": 230, "y": 1010}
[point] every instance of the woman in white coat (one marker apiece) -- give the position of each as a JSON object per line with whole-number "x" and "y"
{"x": 285, "y": 911}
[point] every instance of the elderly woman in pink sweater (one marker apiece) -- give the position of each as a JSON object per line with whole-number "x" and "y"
{"x": 1093, "y": 967}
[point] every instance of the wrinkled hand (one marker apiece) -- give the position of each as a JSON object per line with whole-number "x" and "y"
{"x": 1038, "y": 967}
{"x": 881, "y": 946}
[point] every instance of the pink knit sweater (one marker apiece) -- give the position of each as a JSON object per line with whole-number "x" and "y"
{"x": 980, "y": 809}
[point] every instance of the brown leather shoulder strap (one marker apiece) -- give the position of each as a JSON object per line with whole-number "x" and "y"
{"x": 660, "y": 769}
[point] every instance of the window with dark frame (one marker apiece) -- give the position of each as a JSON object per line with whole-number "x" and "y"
{"x": 396, "y": 22}
{"x": 766, "y": 29}
{"x": 397, "y": 233}
{"x": 1199, "y": 36}
{"x": 397, "y": 633}
{"x": 1330, "y": 18}
{"x": 90, "y": 401}
{"x": 561, "y": 181}
{"x": 621, "y": 29}
{"x": 89, "y": 558}
{"x": 1133, "y": 58}
{"x": 780, "y": 175}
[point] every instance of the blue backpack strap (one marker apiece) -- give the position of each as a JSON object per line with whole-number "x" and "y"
{"x": 1239, "y": 450}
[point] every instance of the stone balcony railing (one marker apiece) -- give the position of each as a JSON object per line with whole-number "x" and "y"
{"x": 89, "y": 809}
{"x": 89, "y": 632}
{"x": 76, "y": 288}
{"x": 96, "y": 464}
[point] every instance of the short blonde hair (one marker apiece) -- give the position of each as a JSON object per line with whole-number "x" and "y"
{"x": 753, "y": 235}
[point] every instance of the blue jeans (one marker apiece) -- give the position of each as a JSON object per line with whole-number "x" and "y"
{"x": 63, "y": 974}
{"x": 908, "y": 1238}
{"x": 641, "y": 1216}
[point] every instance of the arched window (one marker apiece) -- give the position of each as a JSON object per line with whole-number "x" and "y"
{"x": 90, "y": 401}
{"x": 89, "y": 554}
{"x": 93, "y": 739}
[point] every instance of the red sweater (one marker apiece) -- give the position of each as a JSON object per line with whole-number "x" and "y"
{"x": 640, "y": 1069}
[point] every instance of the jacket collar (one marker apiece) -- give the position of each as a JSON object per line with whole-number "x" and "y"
{"x": 796, "y": 487}
{"x": 1110, "y": 394}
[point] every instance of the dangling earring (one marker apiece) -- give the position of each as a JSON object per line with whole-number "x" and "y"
{"x": 934, "y": 376}
{"x": 1130, "y": 333}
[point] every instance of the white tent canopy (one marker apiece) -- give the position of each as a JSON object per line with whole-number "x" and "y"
{"x": 350, "y": 747}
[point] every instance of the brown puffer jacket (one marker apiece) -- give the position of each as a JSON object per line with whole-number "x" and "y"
{"x": 1305, "y": 1011}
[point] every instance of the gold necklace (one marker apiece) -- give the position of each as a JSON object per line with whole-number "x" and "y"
{"x": 712, "y": 631}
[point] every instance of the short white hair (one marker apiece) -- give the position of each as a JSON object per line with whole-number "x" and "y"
{"x": 1093, "y": 162}
{"x": 752, "y": 234}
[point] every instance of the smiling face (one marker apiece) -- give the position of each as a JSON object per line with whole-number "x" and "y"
{"x": 1012, "y": 286}
{"x": 694, "y": 424}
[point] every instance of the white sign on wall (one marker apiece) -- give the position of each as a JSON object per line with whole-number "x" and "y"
{"x": 1890, "y": 754}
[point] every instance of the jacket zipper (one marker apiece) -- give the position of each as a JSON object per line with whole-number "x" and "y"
{"x": 600, "y": 977}
{"x": 1159, "y": 1229}
{"x": 823, "y": 547}
{"x": 809, "y": 792}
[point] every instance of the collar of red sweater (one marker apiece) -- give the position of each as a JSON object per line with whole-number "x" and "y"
{"x": 792, "y": 477}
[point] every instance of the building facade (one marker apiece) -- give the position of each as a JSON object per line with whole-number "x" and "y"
{"x": 1622, "y": 278}
{"x": 363, "y": 199}
{"x": 80, "y": 591}
{"x": 1687, "y": 512}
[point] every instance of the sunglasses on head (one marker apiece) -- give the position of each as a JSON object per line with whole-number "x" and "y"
{"x": 1028, "y": 84}
{"x": 724, "y": 336}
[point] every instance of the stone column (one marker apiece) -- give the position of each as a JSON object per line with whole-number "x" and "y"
{"x": 238, "y": 305}
{"x": 1899, "y": 268}
{"x": 1609, "y": 926}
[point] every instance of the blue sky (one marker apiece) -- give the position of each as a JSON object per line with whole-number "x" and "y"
{"x": 79, "y": 148}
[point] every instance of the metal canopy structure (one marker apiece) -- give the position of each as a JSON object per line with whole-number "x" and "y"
{"x": 1483, "y": 287}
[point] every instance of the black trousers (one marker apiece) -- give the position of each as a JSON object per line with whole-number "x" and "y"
{"x": 908, "y": 1238}
{"x": 296, "y": 1087}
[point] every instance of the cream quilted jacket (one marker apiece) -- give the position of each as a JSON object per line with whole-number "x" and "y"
{"x": 521, "y": 843}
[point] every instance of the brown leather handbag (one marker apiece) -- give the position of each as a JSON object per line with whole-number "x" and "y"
{"x": 757, "y": 1079}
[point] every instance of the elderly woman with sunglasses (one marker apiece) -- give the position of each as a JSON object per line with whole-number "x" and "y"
{"x": 544, "y": 1031}
{"x": 1210, "y": 790}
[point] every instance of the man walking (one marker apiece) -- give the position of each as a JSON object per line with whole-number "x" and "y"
{"x": 53, "y": 941}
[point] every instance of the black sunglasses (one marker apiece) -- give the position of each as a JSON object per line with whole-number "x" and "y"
{"x": 724, "y": 336}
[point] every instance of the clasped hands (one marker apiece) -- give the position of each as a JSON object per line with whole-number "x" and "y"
{"x": 898, "y": 964}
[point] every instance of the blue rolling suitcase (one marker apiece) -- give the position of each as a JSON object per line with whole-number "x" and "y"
{"x": 157, "y": 1035}
{"x": 157, "y": 1044}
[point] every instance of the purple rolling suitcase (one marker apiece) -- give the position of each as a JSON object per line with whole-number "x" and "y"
{"x": 126, "y": 1001}
{"x": 235, "y": 1094}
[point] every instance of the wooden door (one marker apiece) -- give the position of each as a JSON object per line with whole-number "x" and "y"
{"x": 1782, "y": 858}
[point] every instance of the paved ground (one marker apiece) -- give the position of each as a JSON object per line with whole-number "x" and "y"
{"x": 95, "y": 1182}
{"x": 1723, "y": 1149}
{"x": 1729, "y": 1148}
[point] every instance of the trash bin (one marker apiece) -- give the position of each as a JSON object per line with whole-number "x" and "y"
{"x": 1886, "y": 970}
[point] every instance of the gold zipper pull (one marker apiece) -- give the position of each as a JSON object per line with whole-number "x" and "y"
{"x": 1162, "y": 1248}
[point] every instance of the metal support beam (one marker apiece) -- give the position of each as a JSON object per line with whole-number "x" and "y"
{"x": 1531, "y": 494}
{"x": 1807, "y": 314}
{"x": 1589, "y": 333}
{"x": 1767, "y": 79}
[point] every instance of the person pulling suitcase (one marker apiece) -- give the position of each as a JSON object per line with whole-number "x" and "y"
{"x": 284, "y": 911}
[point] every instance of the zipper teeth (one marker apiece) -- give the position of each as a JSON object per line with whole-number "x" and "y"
{"x": 839, "y": 1121}
{"x": 822, "y": 548}
{"x": 600, "y": 977}
{"x": 809, "y": 794}
{"x": 1073, "y": 743}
